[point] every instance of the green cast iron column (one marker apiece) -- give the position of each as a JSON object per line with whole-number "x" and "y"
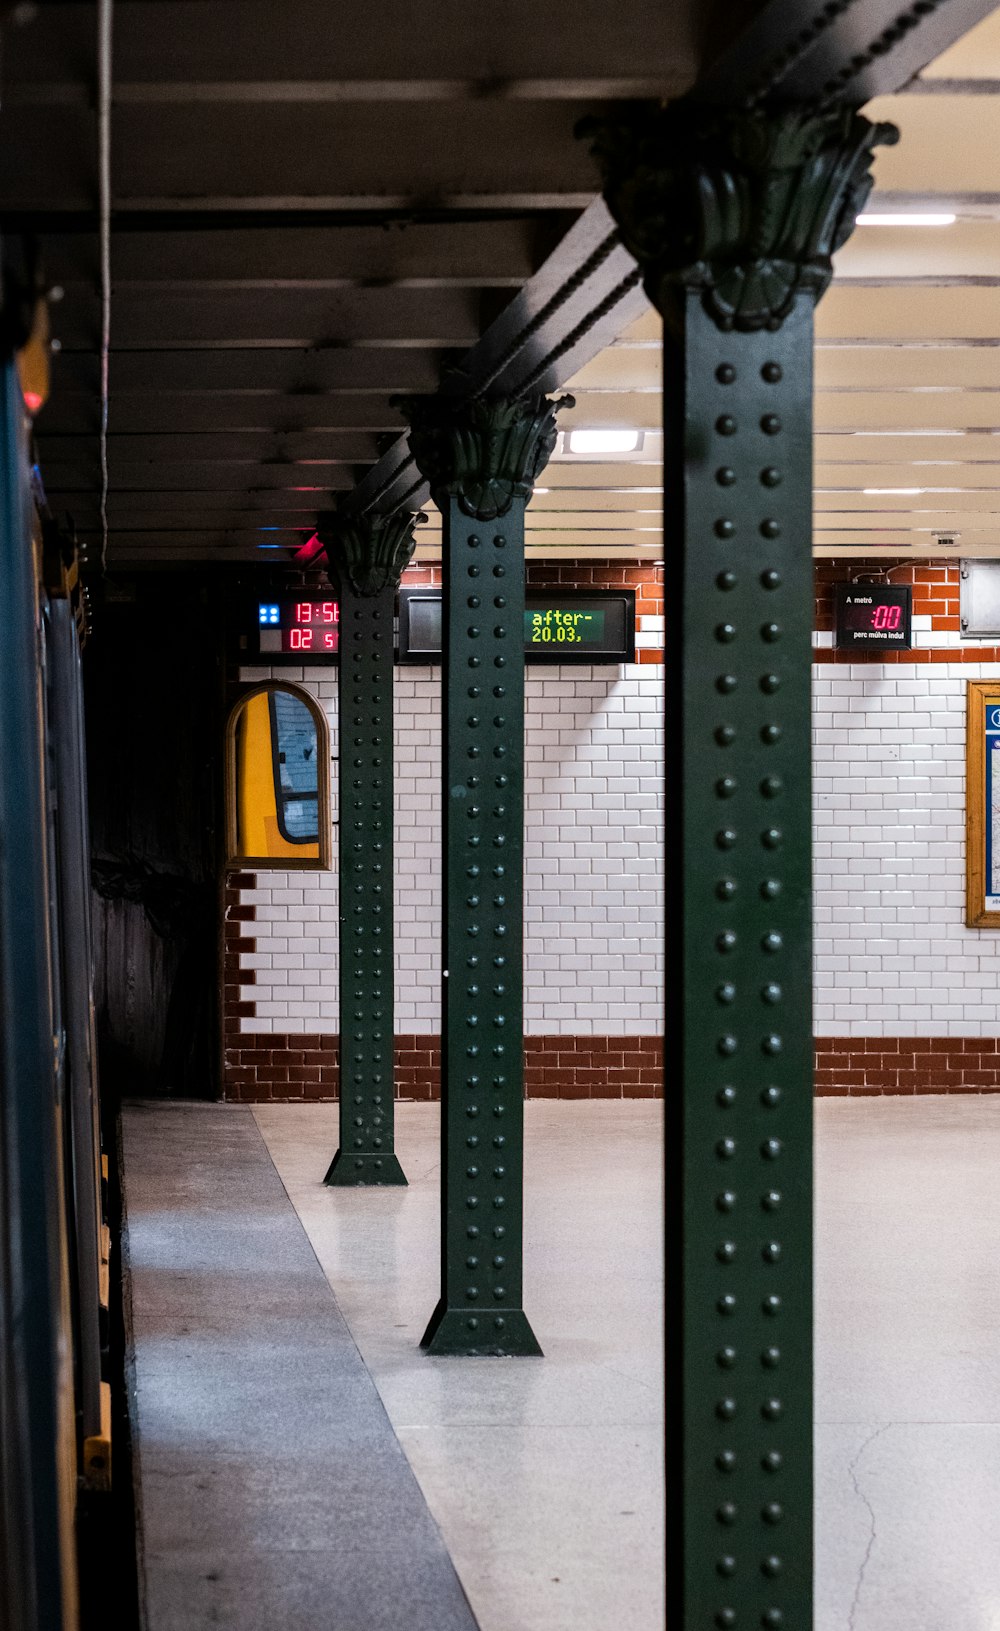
{"x": 481, "y": 461}
{"x": 367, "y": 555}
{"x": 734, "y": 218}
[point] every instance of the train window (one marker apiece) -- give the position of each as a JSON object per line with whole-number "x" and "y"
{"x": 278, "y": 780}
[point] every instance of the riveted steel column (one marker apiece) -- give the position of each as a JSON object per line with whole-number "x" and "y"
{"x": 762, "y": 199}
{"x": 367, "y": 555}
{"x": 481, "y": 461}
{"x": 738, "y": 435}
{"x": 482, "y": 1024}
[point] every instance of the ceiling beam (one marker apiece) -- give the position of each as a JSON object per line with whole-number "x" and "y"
{"x": 495, "y": 252}
{"x": 294, "y": 371}
{"x": 763, "y": 49}
{"x": 847, "y": 52}
{"x": 174, "y": 44}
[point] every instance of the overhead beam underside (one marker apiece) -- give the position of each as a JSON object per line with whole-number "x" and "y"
{"x": 307, "y": 220}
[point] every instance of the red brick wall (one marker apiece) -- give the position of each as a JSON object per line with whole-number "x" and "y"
{"x": 279, "y": 1067}
{"x": 237, "y": 938}
{"x": 935, "y": 585}
{"x": 645, "y": 579}
{"x": 850, "y": 1066}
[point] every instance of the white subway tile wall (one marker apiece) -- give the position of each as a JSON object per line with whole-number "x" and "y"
{"x": 893, "y": 956}
{"x": 594, "y": 776}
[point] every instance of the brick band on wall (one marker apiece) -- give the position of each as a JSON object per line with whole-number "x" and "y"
{"x": 282, "y": 1068}
{"x": 645, "y": 578}
{"x": 851, "y": 1066}
{"x": 937, "y": 634}
{"x": 272, "y": 1068}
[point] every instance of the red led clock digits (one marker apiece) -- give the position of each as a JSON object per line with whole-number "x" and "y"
{"x": 887, "y": 617}
{"x": 323, "y": 611}
{"x": 309, "y": 625}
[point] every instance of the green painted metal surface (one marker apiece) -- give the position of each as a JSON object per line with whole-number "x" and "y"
{"x": 366, "y": 1154}
{"x": 367, "y": 554}
{"x": 482, "y": 1054}
{"x": 481, "y": 458}
{"x": 734, "y": 215}
{"x": 738, "y": 454}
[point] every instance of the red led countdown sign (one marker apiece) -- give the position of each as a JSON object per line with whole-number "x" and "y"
{"x": 873, "y": 616}
{"x": 299, "y": 625}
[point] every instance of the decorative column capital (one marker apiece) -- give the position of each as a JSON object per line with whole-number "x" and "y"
{"x": 746, "y": 205}
{"x": 486, "y": 453}
{"x": 370, "y": 552}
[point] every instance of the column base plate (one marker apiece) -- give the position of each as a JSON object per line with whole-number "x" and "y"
{"x": 496, "y": 1332}
{"x": 352, "y": 1171}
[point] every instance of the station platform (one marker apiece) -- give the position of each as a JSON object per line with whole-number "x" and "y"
{"x": 277, "y": 1420}
{"x": 299, "y": 1458}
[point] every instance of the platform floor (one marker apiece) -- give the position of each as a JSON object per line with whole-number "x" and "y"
{"x": 544, "y": 1477}
{"x": 273, "y": 1494}
{"x": 908, "y": 1364}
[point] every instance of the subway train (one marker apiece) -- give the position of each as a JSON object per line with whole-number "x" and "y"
{"x": 55, "y": 1338}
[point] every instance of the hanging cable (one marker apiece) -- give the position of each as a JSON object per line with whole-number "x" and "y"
{"x": 104, "y": 23}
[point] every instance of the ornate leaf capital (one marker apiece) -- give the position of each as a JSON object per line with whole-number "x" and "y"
{"x": 370, "y": 552}
{"x": 486, "y": 453}
{"x": 748, "y": 206}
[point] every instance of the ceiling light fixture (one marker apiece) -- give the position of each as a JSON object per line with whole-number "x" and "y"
{"x": 907, "y": 218}
{"x": 885, "y": 492}
{"x": 603, "y": 441}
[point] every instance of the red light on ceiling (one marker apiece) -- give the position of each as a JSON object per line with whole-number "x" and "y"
{"x": 309, "y": 551}
{"x": 33, "y": 401}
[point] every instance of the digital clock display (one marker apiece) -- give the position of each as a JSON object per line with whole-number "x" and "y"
{"x": 299, "y": 625}
{"x": 873, "y": 616}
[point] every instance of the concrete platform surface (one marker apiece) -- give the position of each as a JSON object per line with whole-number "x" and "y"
{"x": 546, "y": 1475}
{"x": 274, "y": 1494}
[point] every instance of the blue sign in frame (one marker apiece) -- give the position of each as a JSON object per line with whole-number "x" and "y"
{"x": 991, "y": 812}
{"x": 982, "y": 805}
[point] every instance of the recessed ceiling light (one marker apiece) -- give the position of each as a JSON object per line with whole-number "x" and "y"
{"x": 603, "y": 441}
{"x": 878, "y": 492}
{"x": 909, "y": 218}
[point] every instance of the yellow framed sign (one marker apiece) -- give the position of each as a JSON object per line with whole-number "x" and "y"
{"x": 982, "y": 805}
{"x": 278, "y": 781}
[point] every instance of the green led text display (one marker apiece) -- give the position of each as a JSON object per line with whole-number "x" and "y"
{"x": 558, "y": 626}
